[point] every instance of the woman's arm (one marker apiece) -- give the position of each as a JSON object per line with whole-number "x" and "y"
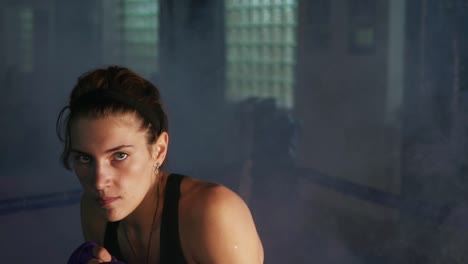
{"x": 219, "y": 228}
{"x": 92, "y": 224}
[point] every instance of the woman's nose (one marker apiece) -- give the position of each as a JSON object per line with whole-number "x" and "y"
{"x": 102, "y": 176}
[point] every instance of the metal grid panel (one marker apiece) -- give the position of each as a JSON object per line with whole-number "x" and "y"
{"x": 261, "y": 43}
{"x": 139, "y": 29}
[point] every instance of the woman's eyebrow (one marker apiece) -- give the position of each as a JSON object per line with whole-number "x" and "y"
{"x": 118, "y": 148}
{"x": 78, "y": 151}
{"x": 107, "y": 151}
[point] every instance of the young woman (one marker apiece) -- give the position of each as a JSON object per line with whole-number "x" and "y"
{"x": 115, "y": 135}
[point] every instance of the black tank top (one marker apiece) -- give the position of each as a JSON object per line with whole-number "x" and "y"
{"x": 170, "y": 248}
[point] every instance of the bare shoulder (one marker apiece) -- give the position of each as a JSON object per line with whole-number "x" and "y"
{"x": 92, "y": 223}
{"x": 200, "y": 200}
{"x": 198, "y": 193}
{"x": 216, "y": 225}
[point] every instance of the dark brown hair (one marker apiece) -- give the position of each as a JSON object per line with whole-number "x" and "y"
{"x": 108, "y": 91}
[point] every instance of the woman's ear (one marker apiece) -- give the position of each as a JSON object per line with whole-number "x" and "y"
{"x": 159, "y": 148}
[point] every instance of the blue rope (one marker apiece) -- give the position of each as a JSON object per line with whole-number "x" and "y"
{"x": 42, "y": 201}
{"x": 417, "y": 208}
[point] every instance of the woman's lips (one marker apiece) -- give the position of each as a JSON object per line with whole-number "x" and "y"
{"x": 105, "y": 201}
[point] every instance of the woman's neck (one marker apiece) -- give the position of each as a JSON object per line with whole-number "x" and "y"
{"x": 145, "y": 216}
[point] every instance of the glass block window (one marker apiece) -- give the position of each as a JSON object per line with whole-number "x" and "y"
{"x": 140, "y": 35}
{"x": 261, "y": 46}
{"x": 131, "y": 34}
{"x": 26, "y": 33}
{"x": 18, "y": 24}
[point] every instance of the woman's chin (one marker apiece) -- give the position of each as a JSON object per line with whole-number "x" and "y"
{"x": 112, "y": 216}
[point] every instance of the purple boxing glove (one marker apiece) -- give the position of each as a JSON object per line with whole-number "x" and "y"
{"x": 114, "y": 261}
{"x": 84, "y": 253}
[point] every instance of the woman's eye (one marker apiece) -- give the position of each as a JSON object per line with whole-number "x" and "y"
{"x": 83, "y": 159}
{"x": 120, "y": 156}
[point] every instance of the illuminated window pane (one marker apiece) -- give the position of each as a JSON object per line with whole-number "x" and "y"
{"x": 139, "y": 41}
{"x": 260, "y": 37}
{"x": 25, "y": 38}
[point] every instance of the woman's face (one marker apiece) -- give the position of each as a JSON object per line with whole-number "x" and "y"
{"x": 113, "y": 162}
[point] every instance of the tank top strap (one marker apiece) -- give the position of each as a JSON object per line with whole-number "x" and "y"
{"x": 171, "y": 250}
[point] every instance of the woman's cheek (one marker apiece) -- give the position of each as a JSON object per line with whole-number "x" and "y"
{"x": 83, "y": 175}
